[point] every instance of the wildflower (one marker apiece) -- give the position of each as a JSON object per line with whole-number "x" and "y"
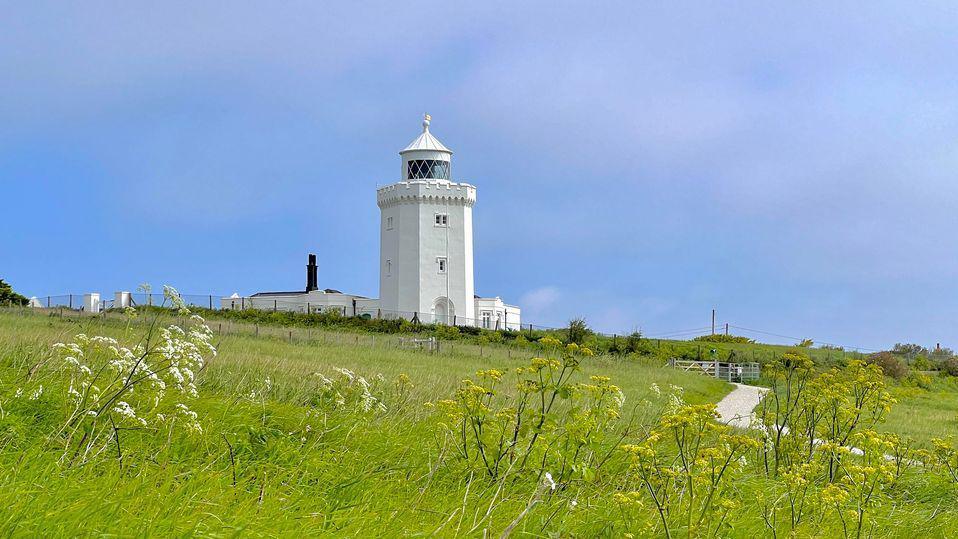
{"x": 548, "y": 481}
{"x": 36, "y": 394}
{"x": 348, "y": 374}
{"x": 125, "y": 410}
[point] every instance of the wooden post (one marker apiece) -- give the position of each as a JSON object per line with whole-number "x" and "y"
{"x": 290, "y": 336}
{"x": 211, "y": 302}
{"x": 274, "y": 305}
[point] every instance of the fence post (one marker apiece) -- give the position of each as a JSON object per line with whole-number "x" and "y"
{"x": 71, "y": 301}
{"x": 48, "y": 302}
{"x": 290, "y": 336}
{"x": 274, "y": 305}
{"x": 211, "y": 302}
{"x": 257, "y": 329}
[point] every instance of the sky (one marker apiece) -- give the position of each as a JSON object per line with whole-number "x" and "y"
{"x": 792, "y": 166}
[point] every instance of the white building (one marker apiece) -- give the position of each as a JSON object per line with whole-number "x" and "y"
{"x": 426, "y": 255}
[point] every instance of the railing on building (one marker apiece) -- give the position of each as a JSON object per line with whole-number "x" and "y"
{"x": 508, "y": 322}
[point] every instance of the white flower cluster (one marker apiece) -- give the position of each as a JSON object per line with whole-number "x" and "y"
{"x": 175, "y": 299}
{"x": 182, "y": 352}
{"x": 618, "y": 398}
{"x": 124, "y": 409}
{"x": 106, "y": 375}
{"x": 350, "y": 387}
{"x": 676, "y": 400}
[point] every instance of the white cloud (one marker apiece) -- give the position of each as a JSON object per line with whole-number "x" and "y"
{"x": 540, "y": 299}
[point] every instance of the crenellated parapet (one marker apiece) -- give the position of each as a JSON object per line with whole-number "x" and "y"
{"x": 426, "y": 191}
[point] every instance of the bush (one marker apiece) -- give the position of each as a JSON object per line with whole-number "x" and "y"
{"x": 950, "y": 366}
{"x": 921, "y": 363}
{"x": 889, "y": 363}
{"x": 446, "y": 333}
{"x": 917, "y": 379}
{"x": 578, "y": 331}
{"x": 9, "y": 297}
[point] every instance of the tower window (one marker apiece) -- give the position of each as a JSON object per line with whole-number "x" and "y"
{"x": 434, "y": 169}
{"x": 389, "y": 268}
{"x": 442, "y": 219}
{"x": 389, "y": 223}
{"x": 441, "y": 262}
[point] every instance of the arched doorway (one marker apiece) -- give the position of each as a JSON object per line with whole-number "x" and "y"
{"x": 443, "y": 311}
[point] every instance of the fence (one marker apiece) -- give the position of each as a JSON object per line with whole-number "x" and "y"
{"x": 355, "y": 307}
{"x": 345, "y": 306}
{"x": 730, "y": 372}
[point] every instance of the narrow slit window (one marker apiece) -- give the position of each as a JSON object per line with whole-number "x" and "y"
{"x": 441, "y": 263}
{"x": 389, "y": 223}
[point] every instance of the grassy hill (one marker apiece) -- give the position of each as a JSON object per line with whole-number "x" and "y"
{"x": 285, "y": 443}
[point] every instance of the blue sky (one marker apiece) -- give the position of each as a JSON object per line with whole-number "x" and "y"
{"x": 638, "y": 163}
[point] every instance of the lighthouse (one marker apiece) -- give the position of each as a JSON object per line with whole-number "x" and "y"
{"x": 426, "y": 259}
{"x": 425, "y": 254}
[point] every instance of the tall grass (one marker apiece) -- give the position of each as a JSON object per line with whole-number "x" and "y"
{"x": 277, "y": 457}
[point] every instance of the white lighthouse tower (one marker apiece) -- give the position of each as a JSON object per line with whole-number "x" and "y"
{"x": 426, "y": 264}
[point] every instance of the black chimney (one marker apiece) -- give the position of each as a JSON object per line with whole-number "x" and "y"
{"x": 311, "y": 281}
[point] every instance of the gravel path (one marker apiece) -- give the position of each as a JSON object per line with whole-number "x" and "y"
{"x": 736, "y": 408}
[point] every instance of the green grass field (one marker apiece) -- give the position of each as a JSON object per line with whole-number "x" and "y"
{"x": 276, "y": 458}
{"x": 925, "y": 414}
